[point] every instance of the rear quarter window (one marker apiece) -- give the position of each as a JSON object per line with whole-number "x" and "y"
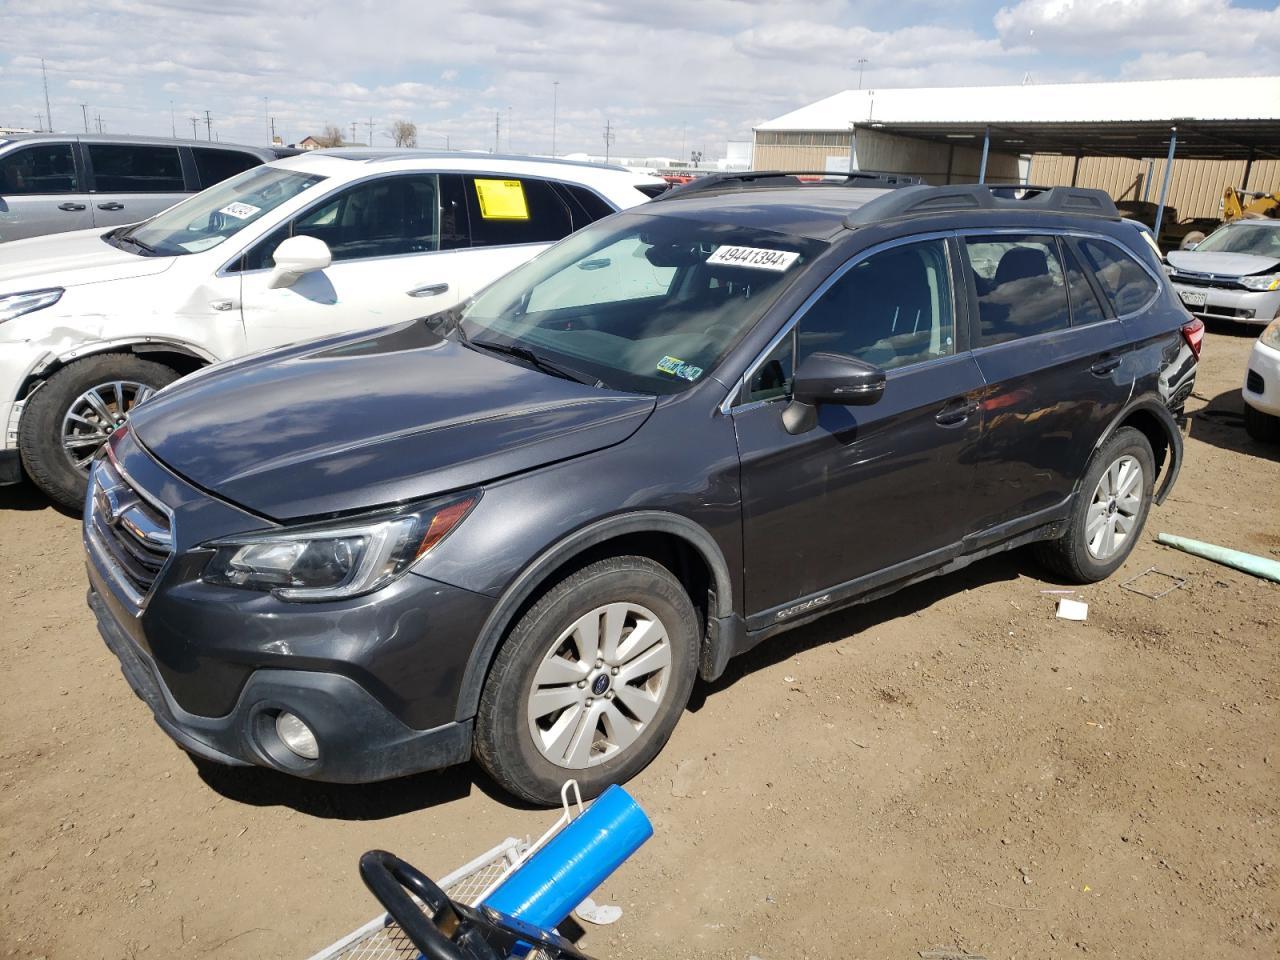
{"x": 1124, "y": 281}
{"x": 510, "y": 210}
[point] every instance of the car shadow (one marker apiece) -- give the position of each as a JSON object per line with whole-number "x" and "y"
{"x": 1220, "y": 423}
{"x": 862, "y": 617}
{"x": 260, "y": 787}
{"x": 25, "y": 496}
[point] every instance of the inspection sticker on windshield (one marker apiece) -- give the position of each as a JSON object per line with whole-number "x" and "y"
{"x": 241, "y": 211}
{"x": 678, "y": 368}
{"x": 756, "y": 258}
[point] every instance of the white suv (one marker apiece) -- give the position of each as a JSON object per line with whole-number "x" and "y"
{"x": 93, "y": 322}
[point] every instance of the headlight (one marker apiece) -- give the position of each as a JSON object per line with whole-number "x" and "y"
{"x": 335, "y": 560}
{"x": 1271, "y": 335}
{"x": 16, "y": 304}
{"x": 1266, "y": 281}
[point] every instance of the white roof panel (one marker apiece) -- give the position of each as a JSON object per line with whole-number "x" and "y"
{"x": 1229, "y": 98}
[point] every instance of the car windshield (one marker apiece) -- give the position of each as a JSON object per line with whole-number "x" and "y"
{"x": 641, "y": 303}
{"x": 1260, "y": 239}
{"x": 205, "y": 220}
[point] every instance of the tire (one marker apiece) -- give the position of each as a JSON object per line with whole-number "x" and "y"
{"x": 640, "y": 595}
{"x": 1263, "y": 427}
{"x": 40, "y": 433}
{"x": 1080, "y": 555}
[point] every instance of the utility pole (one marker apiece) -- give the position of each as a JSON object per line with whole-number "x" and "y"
{"x": 47, "y": 114}
{"x": 862, "y": 62}
{"x": 101, "y": 127}
{"x": 173, "y": 121}
{"x": 555, "y": 108}
{"x": 194, "y": 121}
{"x": 39, "y": 122}
{"x": 369, "y": 124}
{"x": 266, "y": 115}
{"x": 273, "y": 129}
{"x": 84, "y": 110}
{"x": 353, "y": 131}
{"x": 208, "y": 126}
{"x": 497, "y": 131}
{"x": 608, "y": 139}
{"x": 510, "y": 124}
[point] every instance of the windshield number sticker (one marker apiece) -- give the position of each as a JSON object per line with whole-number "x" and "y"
{"x": 678, "y": 368}
{"x": 755, "y": 258}
{"x": 241, "y": 211}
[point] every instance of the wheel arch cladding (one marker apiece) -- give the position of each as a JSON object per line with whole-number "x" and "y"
{"x": 1150, "y": 417}
{"x": 679, "y": 544}
{"x": 175, "y": 355}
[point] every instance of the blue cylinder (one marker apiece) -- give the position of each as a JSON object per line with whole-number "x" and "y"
{"x": 547, "y": 886}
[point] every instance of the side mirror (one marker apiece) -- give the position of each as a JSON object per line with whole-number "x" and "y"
{"x": 296, "y": 257}
{"x": 830, "y": 378}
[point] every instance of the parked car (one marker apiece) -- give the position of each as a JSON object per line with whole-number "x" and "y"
{"x": 1233, "y": 274}
{"x": 94, "y": 321}
{"x": 1261, "y": 390}
{"x": 54, "y": 183}
{"x": 517, "y": 531}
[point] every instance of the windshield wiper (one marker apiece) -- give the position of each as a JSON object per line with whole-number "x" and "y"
{"x": 146, "y": 248}
{"x": 542, "y": 363}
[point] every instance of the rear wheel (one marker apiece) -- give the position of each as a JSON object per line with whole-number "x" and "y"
{"x": 71, "y": 416}
{"x": 1109, "y": 512}
{"x": 590, "y": 682}
{"x": 1263, "y": 427}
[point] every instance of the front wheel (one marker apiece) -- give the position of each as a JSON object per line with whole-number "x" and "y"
{"x": 71, "y": 416}
{"x": 1110, "y": 510}
{"x": 1263, "y": 427}
{"x": 590, "y": 682}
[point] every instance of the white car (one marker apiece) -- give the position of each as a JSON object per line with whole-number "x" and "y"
{"x": 1262, "y": 386}
{"x": 92, "y": 322}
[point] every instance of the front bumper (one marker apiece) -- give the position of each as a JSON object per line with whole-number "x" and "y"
{"x": 1241, "y": 306}
{"x": 360, "y": 741}
{"x": 1261, "y": 388}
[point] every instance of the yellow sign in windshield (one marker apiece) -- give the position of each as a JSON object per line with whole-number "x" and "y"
{"x": 502, "y": 200}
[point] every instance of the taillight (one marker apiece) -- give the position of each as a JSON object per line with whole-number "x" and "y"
{"x": 1193, "y": 333}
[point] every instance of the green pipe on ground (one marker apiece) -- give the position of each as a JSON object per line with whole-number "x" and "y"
{"x": 1248, "y": 562}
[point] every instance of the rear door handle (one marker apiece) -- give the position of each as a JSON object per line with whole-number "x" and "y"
{"x": 429, "y": 290}
{"x": 1104, "y": 366}
{"x": 71, "y": 207}
{"x": 111, "y": 205}
{"x": 956, "y": 412}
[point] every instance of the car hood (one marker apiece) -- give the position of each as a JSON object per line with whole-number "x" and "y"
{"x": 70, "y": 259}
{"x": 1222, "y": 264}
{"x": 362, "y": 421}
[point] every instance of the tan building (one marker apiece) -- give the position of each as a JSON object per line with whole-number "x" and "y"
{"x": 1110, "y": 135}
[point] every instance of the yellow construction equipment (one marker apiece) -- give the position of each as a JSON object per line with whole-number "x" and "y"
{"x": 1237, "y": 205}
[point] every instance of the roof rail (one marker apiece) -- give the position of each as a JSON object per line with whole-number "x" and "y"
{"x": 749, "y": 179}
{"x": 918, "y": 201}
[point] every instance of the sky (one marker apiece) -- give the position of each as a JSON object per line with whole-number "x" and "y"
{"x": 667, "y": 76}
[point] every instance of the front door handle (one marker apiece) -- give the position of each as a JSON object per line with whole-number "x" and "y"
{"x": 111, "y": 205}
{"x": 71, "y": 207}
{"x": 956, "y": 412}
{"x": 1104, "y": 366}
{"x": 429, "y": 290}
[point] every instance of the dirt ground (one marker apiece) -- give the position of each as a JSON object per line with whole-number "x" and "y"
{"x": 949, "y": 768}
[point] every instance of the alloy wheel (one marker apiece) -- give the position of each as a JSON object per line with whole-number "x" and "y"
{"x": 1114, "y": 510}
{"x": 600, "y": 685}
{"x": 95, "y": 414}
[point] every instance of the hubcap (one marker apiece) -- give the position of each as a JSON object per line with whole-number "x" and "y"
{"x": 600, "y": 685}
{"x": 1113, "y": 512}
{"x": 93, "y": 416}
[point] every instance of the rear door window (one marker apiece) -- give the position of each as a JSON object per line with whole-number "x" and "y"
{"x": 1127, "y": 285}
{"x": 132, "y": 168}
{"x": 214, "y": 166}
{"x": 41, "y": 168}
{"x": 1020, "y": 287}
{"x": 1085, "y": 307}
{"x": 512, "y": 210}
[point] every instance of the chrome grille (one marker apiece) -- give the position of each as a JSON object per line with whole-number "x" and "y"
{"x": 130, "y": 537}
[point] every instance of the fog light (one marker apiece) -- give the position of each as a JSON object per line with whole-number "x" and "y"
{"x": 297, "y": 736}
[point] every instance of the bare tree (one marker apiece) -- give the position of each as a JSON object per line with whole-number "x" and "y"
{"x": 404, "y": 133}
{"x": 332, "y": 137}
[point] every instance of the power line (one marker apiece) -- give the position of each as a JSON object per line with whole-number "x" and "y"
{"x": 47, "y": 113}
